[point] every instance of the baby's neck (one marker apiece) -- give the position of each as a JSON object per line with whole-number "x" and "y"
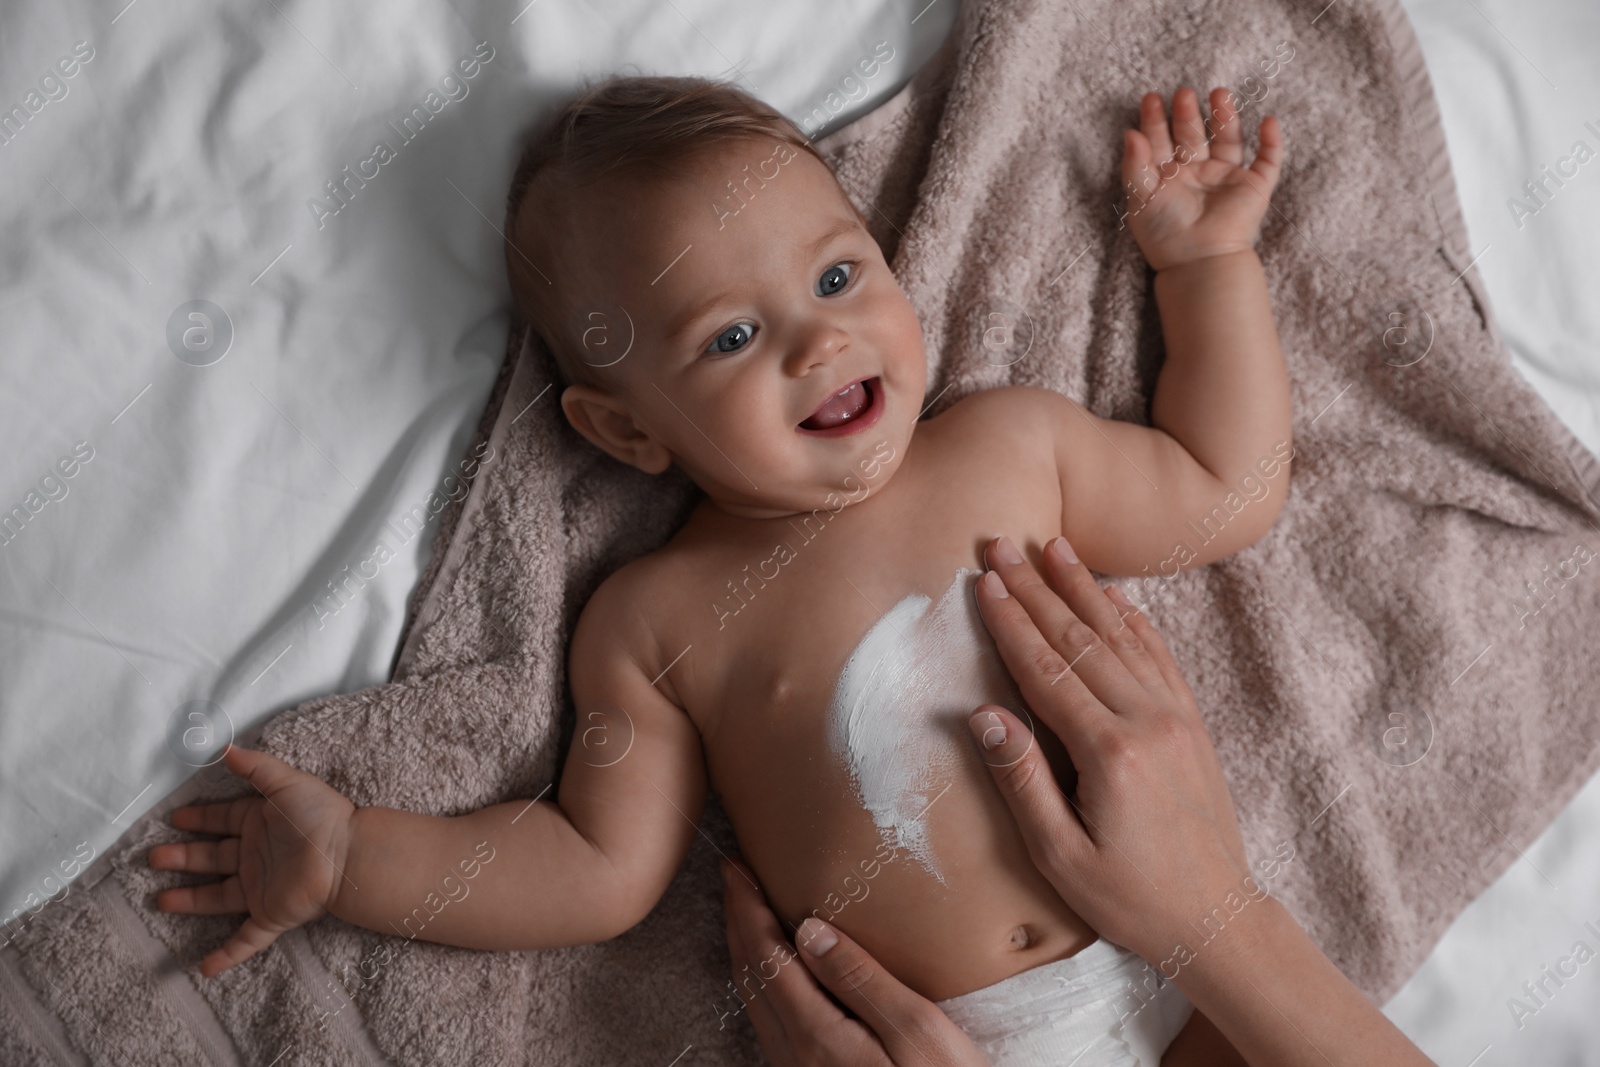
{"x": 873, "y": 473}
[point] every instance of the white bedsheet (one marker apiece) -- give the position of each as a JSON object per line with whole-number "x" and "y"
{"x": 189, "y": 556}
{"x": 1519, "y": 86}
{"x": 182, "y": 154}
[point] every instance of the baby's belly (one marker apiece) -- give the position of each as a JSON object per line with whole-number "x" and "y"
{"x": 864, "y": 802}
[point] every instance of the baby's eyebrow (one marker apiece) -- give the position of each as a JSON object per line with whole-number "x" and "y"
{"x": 696, "y": 313}
{"x": 681, "y": 326}
{"x": 837, "y": 230}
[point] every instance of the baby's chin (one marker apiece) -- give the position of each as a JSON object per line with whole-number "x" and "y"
{"x": 815, "y": 486}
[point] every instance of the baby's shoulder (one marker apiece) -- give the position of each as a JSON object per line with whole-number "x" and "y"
{"x": 1010, "y": 410}
{"x": 999, "y": 425}
{"x": 641, "y": 601}
{"x": 627, "y": 592}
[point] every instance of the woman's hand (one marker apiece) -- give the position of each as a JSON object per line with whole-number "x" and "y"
{"x": 284, "y": 852}
{"x": 795, "y": 1021}
{"x": 1189, "y": 197}
{"x": 1151, "y": 838}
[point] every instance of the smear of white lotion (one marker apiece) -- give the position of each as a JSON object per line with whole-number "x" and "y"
{"x": 902, "y": 703}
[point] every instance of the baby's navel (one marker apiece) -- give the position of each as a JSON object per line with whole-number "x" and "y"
{"x": 1024, "y": 937}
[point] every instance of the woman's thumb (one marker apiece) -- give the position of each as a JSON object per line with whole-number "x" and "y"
{"x": 1023, "y": 775}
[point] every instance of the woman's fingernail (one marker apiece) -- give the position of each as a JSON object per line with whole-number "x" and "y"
{"x": 1062, "y": 550}
{"x": 988, "y": 729}
{"x": 994, "y": 586}
{"x": 1115, "y": 592}
{"x": 1006, "y": 552}
{"x": 816, "y": 936}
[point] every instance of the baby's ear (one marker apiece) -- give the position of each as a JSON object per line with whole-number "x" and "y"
{"x": 605, "y": 420}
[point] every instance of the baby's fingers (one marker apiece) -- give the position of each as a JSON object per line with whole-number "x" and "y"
{"x": 1138, "y": 178}
{"x": 197, "y": 857}
{"x": 1269, "y": 159}
{"x": 251, "y": 938}
{"x": 213, "y": 898}
{"x": 1189, "y": 127}
{"x": 1227, "y": 132}
{"x": 1153, "y": 124}
{"x": 226, "y": 817}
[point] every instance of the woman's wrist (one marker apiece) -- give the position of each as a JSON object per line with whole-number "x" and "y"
{"x": 1173, "y": 941}
{"x": 1271, "y": 992}
{"x": 1231, "y": 940}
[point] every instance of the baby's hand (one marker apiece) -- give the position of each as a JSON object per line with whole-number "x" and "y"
{"x": 284, "y": 852}
{"x": 1197, "y": 199}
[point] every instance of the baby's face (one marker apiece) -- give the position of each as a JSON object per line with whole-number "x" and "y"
{"x": 773, "y": 354}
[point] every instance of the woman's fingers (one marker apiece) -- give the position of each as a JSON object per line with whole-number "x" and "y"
{"x": 1076, "y": 620}
{"x": 197, "y": 857}
{"x": 213, "y": 898}
{"x": 1071, "y": 579}
{"x": 1155, "y": 648}
{"x": 1051, "y": 830}
{"x": 1050, "y": 688}
{"x": 913, "y": 1030}
{"x": 1153, "y": 124}
{"x": 785, "y": 1006}
{"x": 797, "y": 1023}
{"x": 741, "y": 908}
{"x": 1188, "y": 127}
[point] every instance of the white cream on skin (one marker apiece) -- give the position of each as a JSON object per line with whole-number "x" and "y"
{"x": 901, "y": 706}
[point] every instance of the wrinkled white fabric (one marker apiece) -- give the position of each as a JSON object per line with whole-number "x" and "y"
{"x": 1100, "y": 1007}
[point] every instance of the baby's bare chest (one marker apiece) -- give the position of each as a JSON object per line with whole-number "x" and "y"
{"x": 846, "y": 647}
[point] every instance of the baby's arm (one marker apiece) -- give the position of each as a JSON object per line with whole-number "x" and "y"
{"x": 519, "y": 875}
{"x": 1210, "y": 474}
{"x": 583, "y": 868}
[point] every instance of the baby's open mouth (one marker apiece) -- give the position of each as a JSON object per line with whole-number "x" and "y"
{"x": 852, "y": 408}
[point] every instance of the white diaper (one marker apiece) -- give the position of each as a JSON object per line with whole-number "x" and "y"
{"x": 1102, "y": 1007}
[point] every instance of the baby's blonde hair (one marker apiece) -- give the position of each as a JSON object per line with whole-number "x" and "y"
{"x": 624, "y": 127}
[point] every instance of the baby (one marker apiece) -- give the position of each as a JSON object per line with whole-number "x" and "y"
{"x": 808, "y": 643}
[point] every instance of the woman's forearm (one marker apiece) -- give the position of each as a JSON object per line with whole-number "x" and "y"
{"x": 1280, "y": 1001}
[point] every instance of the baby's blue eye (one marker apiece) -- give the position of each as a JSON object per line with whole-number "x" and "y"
{"x": 731, "y": 339}
{"x": 834, "y": 279}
